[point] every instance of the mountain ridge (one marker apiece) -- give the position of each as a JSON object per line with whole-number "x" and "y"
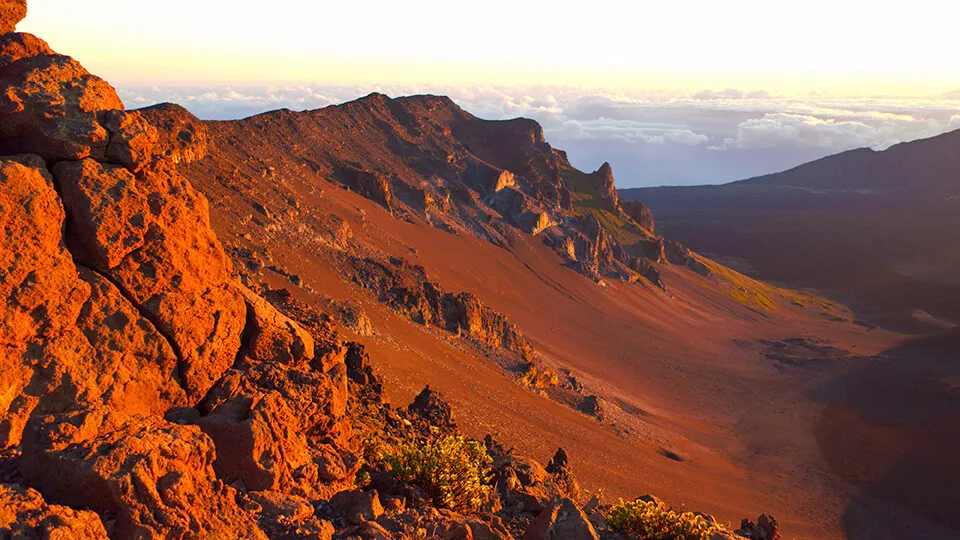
{"x": 872, "y": 228}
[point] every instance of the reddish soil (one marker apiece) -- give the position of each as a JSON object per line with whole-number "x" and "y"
{"x": 712, "y": 403}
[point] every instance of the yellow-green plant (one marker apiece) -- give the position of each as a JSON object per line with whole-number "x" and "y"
{"x": 654, "y": 521}
{"x": 454, "y": 471}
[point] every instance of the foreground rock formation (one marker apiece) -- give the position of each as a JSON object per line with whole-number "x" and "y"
{"x": 145, "y": 392}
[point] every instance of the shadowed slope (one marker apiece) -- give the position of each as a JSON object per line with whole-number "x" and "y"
{"x": 878, "y": 230}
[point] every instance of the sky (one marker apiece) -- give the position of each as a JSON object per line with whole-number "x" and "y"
{"x": 668, "y": 92}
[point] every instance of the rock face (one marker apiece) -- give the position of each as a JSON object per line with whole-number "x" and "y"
{"x": 156, "y": 478}
{"x": 182, "y": 137}
{"x": 563, "y": 520}
{"x": 602, "y": 178}
{"x": 24, "y": 514}
{"x": 163, "y": 256}
{"x": 639, "y": 213}
{"x": 11, "y": 13}
{"x": 51, "y": 106}
{"x": 407, "y": 289}
{"x": 16, "y": 46}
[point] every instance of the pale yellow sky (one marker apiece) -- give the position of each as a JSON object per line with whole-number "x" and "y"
{"x": 840, "y": 47}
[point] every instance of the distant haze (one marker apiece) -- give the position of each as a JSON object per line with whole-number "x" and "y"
{"x": 668, "y": 92}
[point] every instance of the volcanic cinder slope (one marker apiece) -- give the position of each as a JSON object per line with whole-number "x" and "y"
{"x": 878, "y": 230}
{"x": 673, "y": 374}
{"x": 157, "y": 383}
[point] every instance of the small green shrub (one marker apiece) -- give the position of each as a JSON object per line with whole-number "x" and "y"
{"x": 654, "y": 521}
{"x": 455, "y": 471}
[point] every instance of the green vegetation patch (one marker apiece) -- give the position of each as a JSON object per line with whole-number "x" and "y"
{"x": 653, "y": 520}
{"x": 453, "y": 470}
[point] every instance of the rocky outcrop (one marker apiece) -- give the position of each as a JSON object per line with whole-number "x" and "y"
{"x": 17, "y": 46}
{"x": 163, "y": 256}
{"x": 638, "y": 212}
{"x": 25, "y": 515}
{"x": 11, "y": 13}
{"x": 51, "y": 106}
{"x": 112, "y": 332}
{"x": 563, "y": 520}
{"x": 407, "y": 289}
{"x": 520, "y": 210}
{"x": 430, "y": 407}
{"x": 71, "y": 340}
{"x": 677, "y": 253}
{"x": 182, "y": 137}
{"x": 602, "y": 180}
{"x": 766, "y": 528}
{"x": 156, "y": 478}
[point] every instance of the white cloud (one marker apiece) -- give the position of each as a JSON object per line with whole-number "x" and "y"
{"x": 849, "y": 131}
{"x": 954, "y": 122}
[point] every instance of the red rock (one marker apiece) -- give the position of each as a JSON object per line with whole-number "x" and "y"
{"x": 259, "y": 443}
{"x": 50, "y": 105}
{"x": 313, "y": 400}
{"x": 25, "y": 515}
{"x": 178, "y": 274}
{"x": 272, "y": 336}
{"x": 156, "y": 478}
{"x": 17, "y": 46}
{"x": 357, "y": 506}
{"x": 11, "y": 13}
{"x": 639, "y": 213}
{"x": 563, "y": 521}
{"x": 132, "y": 139}
{"x": 602, "y": 179}
{"x": 109, "y": 212}
{"x": 288, "y": 516}
{"x": 182, "y": 136}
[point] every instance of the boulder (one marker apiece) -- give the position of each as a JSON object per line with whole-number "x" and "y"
{"x": 562, "y": 521}
{"x": 182, "y": 137}
{"x": 594, "y": 406}
{"x": 639, "y": 213}
{"x": 259, "y": 443}
{"x": 272, "y": 336}
{"x": 156, "y": 478}
{"x": 357, "y": 506}
{"x": 316, "y": 400}
{"x": 11, "y": 13}
{"x": 51, "y": 106}
{"x": 25, "y": 515}
{"x": 17, "y": 46}
{"x": 89, "y": 348}
{"x": 287, "y": 516}
{"x": 171, "y": 265}
{"x": 132, "y": 139}
{"x": 766, "y": 528}
{"x": 431, "y": 407}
